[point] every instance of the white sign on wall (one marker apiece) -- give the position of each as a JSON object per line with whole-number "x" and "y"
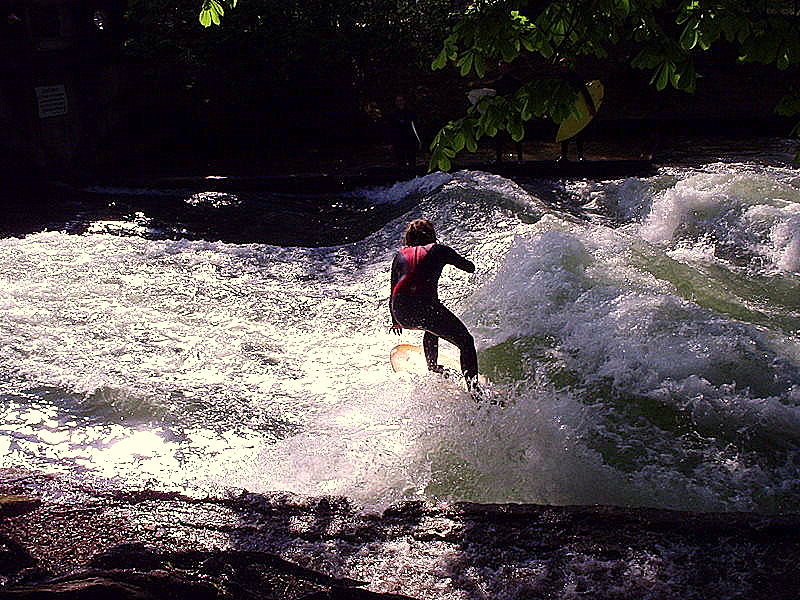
{"x": 52, "y": 100}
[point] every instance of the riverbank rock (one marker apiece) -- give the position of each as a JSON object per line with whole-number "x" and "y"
{"x": 138, "y": 572}
{"x": 137, "y": 544}
{"x": 87, "y": 587}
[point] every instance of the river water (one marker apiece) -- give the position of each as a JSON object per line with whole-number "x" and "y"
{"x": 641, "y": 332}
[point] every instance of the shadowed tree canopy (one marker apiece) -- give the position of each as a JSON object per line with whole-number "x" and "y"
{"x": 281, "y": 72}
{"x": 661, "y": 37}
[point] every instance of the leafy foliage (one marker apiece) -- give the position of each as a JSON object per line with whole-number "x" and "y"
{"x": 659, "y": 36}
{"x": 212, "y": 11}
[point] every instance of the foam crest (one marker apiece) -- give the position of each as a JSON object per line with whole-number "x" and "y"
{"x": 478, "y": 188}
{"x": 403, "y": 190}
{"x": 749, "y": 218}
{"x": 628, "y": 346}
{"x": 785, "y": 242}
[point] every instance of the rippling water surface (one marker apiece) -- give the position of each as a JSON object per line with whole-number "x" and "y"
{"x": 642, "y": 333}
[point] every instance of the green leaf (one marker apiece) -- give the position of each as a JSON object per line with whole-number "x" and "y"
{"x": 517, "y": 132}
{"x": 687, "y": 78}
{"x": 507, "y": 51}
{"x": 479, "y": 64}
{"x": 440, "y": 61}
{"x": 465, "y": 63}
{"x": 648, "y": 58}
{"x": 525, "y": 111}
{"x": 205, "y": 17}
{"x": 527, "y": 44}
{"x": 439, "y": 161}
{"x": 459, "y": 141}
{"x": 661, "y": 77}
{"x": 216, "y": 7}
{"x": 689, "y": 36}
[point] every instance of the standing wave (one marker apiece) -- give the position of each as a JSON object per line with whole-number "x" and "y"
{"x": 639, "y": 336}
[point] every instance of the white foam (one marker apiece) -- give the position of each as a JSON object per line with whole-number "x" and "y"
{"x": 267, "y": 368}
{"x": 402, "y": 190}
{"x": 748, "y": 216}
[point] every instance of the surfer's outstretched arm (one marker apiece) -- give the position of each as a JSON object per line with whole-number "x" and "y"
{"x": 458, "y": 261}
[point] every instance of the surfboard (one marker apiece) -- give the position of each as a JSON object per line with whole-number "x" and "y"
{"x": 575, "y": 123}
{"x": 411, "y": 359}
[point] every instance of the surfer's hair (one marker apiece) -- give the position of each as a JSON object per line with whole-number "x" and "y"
{"x": 419, "y": 233}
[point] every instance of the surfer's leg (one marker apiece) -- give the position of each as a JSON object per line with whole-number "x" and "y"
{"x": 399, "y": 147}
{"x": 449, "y": 327}
{"x": 564, "y": 151}
{"x": 498, "y": 148}
{"x": 430, "y": 344}
{"x": 469, "y": 358}
{"x": 411, "y": 153}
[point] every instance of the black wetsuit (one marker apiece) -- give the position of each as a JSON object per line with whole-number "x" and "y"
{"x": 415, "y": 303}
{"x": 403, "y": 135}
{"x": 506, "y": 85}
{"x": 577, "y": 83}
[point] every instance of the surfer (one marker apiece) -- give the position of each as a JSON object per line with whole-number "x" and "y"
{"x": 414, "y": 303}
{"x": 576, "y": 82}
{"x": 506, "y": 84}
{"x": 403, "y": 133}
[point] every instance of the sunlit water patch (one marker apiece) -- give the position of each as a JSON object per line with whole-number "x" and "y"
{"x": 643, "y": 344}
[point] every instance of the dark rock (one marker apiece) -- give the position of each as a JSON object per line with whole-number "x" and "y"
{"x": 11, "y": 506}
{"x": 134, "y": 555}
{"x": 13, "y": 558}
{"x": 239, "y": 574}
{"x": 92, "y": 588}
{"x": 187, "y": 576}
{"x": 174, "y": 585}
{"x": 140, "y": 557}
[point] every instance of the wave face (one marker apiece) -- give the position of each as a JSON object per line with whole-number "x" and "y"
{"x": 640, "y": 332}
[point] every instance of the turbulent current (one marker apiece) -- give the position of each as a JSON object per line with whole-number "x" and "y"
{"x": 641, "y": 334}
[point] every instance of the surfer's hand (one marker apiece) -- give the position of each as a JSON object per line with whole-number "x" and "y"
{"x": 396, "y": 329}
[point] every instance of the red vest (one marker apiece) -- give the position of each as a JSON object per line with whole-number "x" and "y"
{"x": 412, "y": 255}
